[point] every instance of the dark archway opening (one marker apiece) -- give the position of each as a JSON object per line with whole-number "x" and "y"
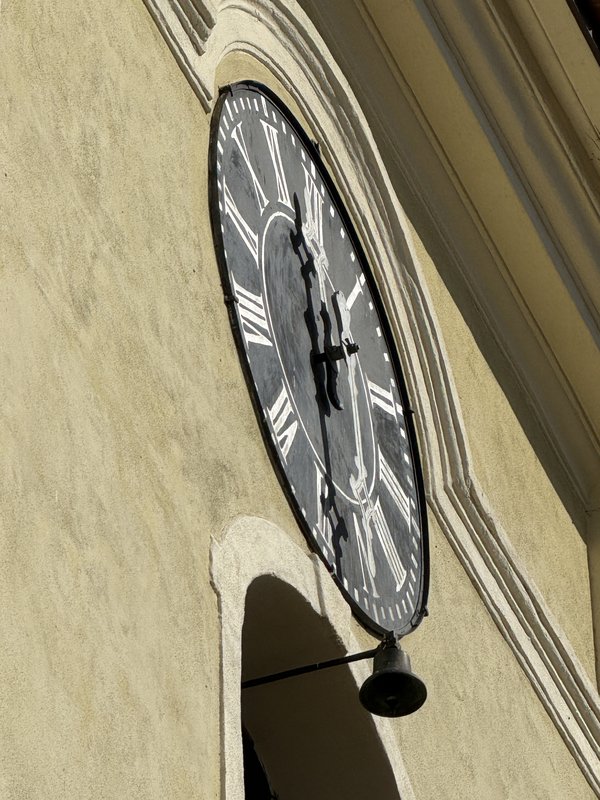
{"x": 310, "y": 732}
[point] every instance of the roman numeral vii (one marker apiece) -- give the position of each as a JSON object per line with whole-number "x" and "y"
{"x": 252, "y": 314}
{"x": 283, "y": 427}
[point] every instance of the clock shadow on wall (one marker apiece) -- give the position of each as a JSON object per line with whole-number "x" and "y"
{"x": 306, "y": 737}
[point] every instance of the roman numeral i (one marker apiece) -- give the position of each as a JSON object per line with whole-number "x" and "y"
{"x": 314, "y": 210}
{"x": 238, "y": 136}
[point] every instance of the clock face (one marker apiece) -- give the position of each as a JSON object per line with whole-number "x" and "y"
{"x": 318, "y": 357}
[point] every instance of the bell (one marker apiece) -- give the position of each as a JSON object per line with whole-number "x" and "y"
{"x": 392, "y": 690}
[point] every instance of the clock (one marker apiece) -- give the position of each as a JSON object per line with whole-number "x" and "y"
{"x": 318, "y": 357}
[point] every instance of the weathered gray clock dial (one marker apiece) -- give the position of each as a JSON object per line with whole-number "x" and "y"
{"x": 318, "y": 356}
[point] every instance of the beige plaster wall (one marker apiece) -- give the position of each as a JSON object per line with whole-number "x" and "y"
{"x": 125, "y": 431}
{"x": 127, "y": 440}
{"x": 482, "y": 734}
{"x": 525, "y": 502}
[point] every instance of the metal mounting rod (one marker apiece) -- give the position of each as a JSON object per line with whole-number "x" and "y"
{"x": 290, "y": 673}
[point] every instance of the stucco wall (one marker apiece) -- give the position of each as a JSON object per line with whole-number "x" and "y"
{"x": 125, "y": 437}
{"x": 547, "y": 540}
{"x": 128, "y": 440}
{"x": 482, "y": 732}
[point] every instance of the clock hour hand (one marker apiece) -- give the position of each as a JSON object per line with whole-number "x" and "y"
{"x": 337, "y": 352}
{"x": 313, "y": 260}
{"x": 367, "y": 524}
{"x": 349, "y": 348}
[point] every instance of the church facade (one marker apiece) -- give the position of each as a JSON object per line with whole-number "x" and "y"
{"x": 152, "y": 559}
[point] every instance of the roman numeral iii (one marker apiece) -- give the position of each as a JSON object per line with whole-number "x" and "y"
{"x": 397, "y": 493}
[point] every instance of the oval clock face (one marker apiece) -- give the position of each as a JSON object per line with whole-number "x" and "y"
{"x": 318, "y": 357}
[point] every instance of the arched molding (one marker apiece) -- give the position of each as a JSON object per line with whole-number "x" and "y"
{"x": 280, "y": 36}
{"x": 251, "y": 548}
{"x": 186, "y": 26}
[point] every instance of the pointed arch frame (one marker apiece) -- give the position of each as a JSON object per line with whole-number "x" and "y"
{"x": 251, "y": 548}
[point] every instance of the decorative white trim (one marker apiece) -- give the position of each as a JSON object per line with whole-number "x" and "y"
{"x": 552, "y": 155}
{"x": 279, "y": 35}
{"x": 248, "y": 549}
{"x": 186, "y": 26}
{"x": 546, "y": 179}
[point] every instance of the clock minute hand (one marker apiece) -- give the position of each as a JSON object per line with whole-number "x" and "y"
{"x": 358, "y": 483}
{"x": 315, "y": 255}
{"x": 374, "y": 523}
{"x": 347, "y": 350}
{"x": 314, "y": 261}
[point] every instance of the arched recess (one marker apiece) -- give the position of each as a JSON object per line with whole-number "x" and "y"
{"x": 313, "y": 736}
{"x": 279, "y": 608}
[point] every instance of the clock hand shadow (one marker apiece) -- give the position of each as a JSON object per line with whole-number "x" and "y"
{"x": 308, "y": 270}
{"x": 320, "y": 370}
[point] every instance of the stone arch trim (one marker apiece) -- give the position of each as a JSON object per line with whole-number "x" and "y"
{"x": 279, "y": 35}
{"x": 251, "y": 548}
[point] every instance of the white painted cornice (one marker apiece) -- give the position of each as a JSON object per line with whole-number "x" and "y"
{"x": 507, "y": 175}
{"x": 186, "y": 26}
{"x": 280, "y": 35}
{"x": 544, "y": 123}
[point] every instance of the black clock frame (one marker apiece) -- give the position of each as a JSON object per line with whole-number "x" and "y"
{"x": 313, "y": 151}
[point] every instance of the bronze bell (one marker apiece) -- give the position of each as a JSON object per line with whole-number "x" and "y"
{"x": 392, "y": 690}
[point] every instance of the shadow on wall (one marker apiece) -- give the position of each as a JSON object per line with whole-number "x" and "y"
{"x": 312, "y": 735}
